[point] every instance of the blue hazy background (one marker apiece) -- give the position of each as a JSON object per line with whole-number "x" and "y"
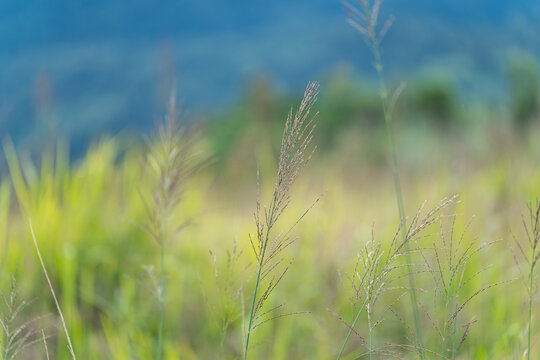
{"x": 84, "y": 68}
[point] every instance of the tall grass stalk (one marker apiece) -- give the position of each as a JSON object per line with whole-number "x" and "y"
{"x": 534, "y": 240}
{"x": 365, "y": 20}
{"x": 70, "y": 345}
{"x": 295, "y": 144}
{"x": 172, "y": 162}
{"x": 531, "y": 277}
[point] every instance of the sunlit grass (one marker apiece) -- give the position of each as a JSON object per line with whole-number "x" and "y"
{"x": 86, "y": 214}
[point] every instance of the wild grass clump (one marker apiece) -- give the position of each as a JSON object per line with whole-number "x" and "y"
{"x": 449, "y": 263}
{"x": 378, "y": 271}
{"x": 268, "y": 244}
{"x": 528, "y": 251}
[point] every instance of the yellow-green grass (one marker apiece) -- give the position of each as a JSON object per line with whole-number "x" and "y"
{"x": 86, "y": 215}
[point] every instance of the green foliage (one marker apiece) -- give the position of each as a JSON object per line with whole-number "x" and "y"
{"x": 435, "y": 98}
{"x": 86, "y": 214}
{"x": 346, "y": 104}
{"x": 524, "y": 87}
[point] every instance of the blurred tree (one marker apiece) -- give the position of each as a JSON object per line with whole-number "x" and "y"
{"x": 522, "y": 73}
{"x": 345, "y": 103}
{"x": 436, "y": 99}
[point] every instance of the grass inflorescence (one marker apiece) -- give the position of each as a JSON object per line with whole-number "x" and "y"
{"x": 267, "y": 245}
{"x": 172, "y": 162}
{"x": 378, "y": 271}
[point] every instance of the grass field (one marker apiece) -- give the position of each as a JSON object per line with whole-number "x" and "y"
{"x": 87, "y": 216}
{"x": 278, "y": 237}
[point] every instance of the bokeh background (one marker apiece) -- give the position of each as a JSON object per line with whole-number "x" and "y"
{"x": 82, "y": 83}
{"x": 87, "y": 68}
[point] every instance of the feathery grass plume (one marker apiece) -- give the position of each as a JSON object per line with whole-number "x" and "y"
{"x": 17, "y": 336}
{"x": 378, "y": 270}
{"x": 447, "y": 266}
{"x": 70, "y": 346}
{"x": 267, "y": 246}
{"x": 529, "y": 252}
{"x": 172, "y": 162}
{"x": 365, "y": 19}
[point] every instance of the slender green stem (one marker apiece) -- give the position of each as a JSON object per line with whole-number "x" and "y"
{"x": 351, "y": 329}
{"x": 370, "y": 343}
{"x": 70, "y": 345}
{"x": 531, "y": 277}
{"x": 370, "y": 328}
{"x": 398, "y": 190}
{"x": 222, "y": 340}
{"x": 444, "y": 344}
{"x": 161, "y": 294}
{"x": 252, "y": 312}
{"x": 226, "y": 320}
{"x": 454, "y": 331}
{"x": 259, "y": 272}
{"x": 6, "y": 341}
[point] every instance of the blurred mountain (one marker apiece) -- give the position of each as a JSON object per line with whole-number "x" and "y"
{"x": 86, "y": 67}
{"x": 35, "y": 22}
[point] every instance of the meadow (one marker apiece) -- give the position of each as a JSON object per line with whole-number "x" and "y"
{"x": 333, "y": 229}
{"x": 88, "y": 217}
